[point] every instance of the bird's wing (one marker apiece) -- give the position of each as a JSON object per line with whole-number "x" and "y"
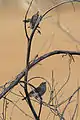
{"x": 37, "y": 90}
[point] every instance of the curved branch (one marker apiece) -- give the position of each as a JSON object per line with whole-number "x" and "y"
{"x": 61, "y": 3}
{"x": 41, "y": 58}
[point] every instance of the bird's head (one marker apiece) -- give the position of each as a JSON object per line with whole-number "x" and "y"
{"x": 43, "y": 84}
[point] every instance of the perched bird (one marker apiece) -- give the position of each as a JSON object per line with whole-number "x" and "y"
{"x": 33, "y": 20}
{"x": 38, "y": 92}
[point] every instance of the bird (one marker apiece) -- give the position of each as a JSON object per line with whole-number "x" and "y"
{"x": 38, "y": 92}
{"x": 33, "y": 21}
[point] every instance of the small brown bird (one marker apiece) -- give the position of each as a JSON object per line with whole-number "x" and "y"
{"x": 39, "y": 91}
{"x": 33, "y": 21}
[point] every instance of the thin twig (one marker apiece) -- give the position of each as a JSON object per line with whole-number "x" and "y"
{"x": 70, "y": 98}
{"x": 77, "y": 102}
{"x": 59, "y": 4}
{"x": 65, "y": 81}
{"x": 15, "y": 94}
{"x": 13, "y": 109}
{"x": 25, "y": 25}
{"x": 18, "y": 107}
{"x": 66, "y": 31}
{"x": 74, "y": 112}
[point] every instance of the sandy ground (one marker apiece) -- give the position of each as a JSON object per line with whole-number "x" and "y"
{"x": 13, "y": 46}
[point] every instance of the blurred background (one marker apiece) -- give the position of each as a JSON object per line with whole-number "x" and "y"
{"x": 60, "y": 30}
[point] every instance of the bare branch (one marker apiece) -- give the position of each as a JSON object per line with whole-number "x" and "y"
{"x": 39, "y": 59}
{"x": 61, "y": 3}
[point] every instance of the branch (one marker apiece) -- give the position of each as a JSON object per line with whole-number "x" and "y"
{"x": 61, "y": 3}
{"x": 70, "y": 98}
{"x": 41, "y": 58}
{"x": 25, "y": 25}
{"x": 75, "y": 110}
